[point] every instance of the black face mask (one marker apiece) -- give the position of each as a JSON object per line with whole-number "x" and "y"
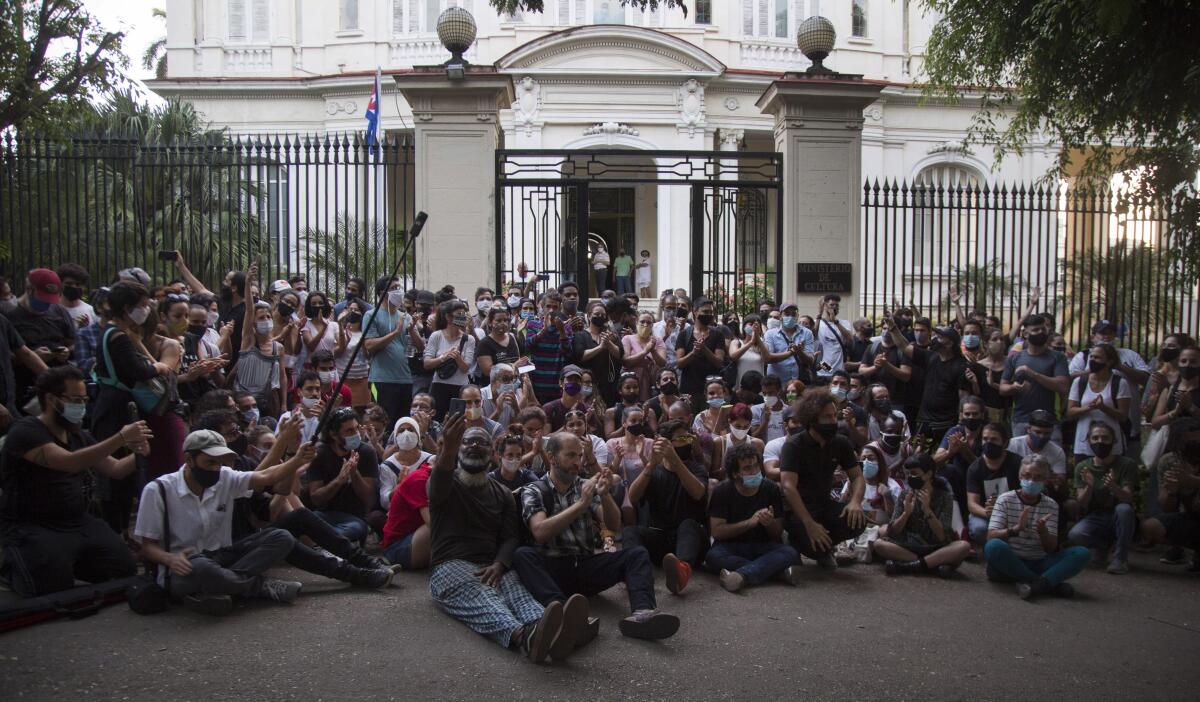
{"x": 1169, "y": 355}
{"x": 630, "y": 398}
{"x": 973, "y": 423}
{"x": 205, "y": 478}
{"x": 669, "y": 388}
{"x": 196, "y": 329}
{"x": 1039, "y": 339}
{"x": 1101, "y": 449}
{"x": 1191, "y": 449}
{"x": 599, "y": 321}
{"x": 705, "y": 319}
{"x": 239, "y": 444}
{"x": 1189, "y": 372}
{"x": 285, "y": 310}
{"x": 916, "y": 482}
{"x": 826, "y": 431}
{"x": 684, "y": 452}
{"x": 892, "y": 441}
{"x": 72, "y": 293}
{"x": 226, "y": 293}
{"x": 992, "y": 451}
{"x": 884, "y": 406}
{"x": 636, "y": 429}
{"x": 1096, "y": 366}
{"x": 792, "y": 431}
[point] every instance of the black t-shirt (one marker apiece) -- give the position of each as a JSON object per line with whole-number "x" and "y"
{"x": 669, "y": 503}
{"x": 54, "y": 327}
{"x": 986, "y": 483}
{"x": 499, "y": 354}
{"x": 236, "y": 315}
{"x": 691, "y": 381}
{"x": 814, "y": 465}
{"x": 523, "y": 477}
{"x": 898, "y": 391}
{"x": 732, "y": 506}
{"x": 37, "y": 495}
{"x": 326, "y": 466}
{"x": 10, "y": 341}
{"x": 943, "y": 380}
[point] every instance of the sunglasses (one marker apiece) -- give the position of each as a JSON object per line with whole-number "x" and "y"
{"x": 475, "y": 441}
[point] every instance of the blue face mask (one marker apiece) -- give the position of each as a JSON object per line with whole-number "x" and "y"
{"x": 870, "y": 469}
{"x": 790, "y": 322}
{"x": 1033, "y": 488}
{"x": 715, "y": 402}
{"x": 37, "y": 305}
{"x": 74, "y": 412}
{"x": 839, "y": 393}
{"x": 752, "y": 481}
{"x": 971, "y": 341}
{"x": 353, "y": 442}
{"x": 251, "y": 415}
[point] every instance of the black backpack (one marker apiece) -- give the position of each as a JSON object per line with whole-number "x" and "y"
{"x": 1126, "y": 424}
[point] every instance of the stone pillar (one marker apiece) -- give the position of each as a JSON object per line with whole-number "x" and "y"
{"x": 456, "y": 132}
{"x": 818, "y": 129}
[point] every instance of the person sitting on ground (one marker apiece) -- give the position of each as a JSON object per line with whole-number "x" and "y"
{"x": 473, "y": 413}
{"x": 343, "y": 477}
{"x": 961, "y": 447}
{"x": 674, "y": 488}
{"x": 891, "y": 449}
{"x": 807, "y": 464}
{"x": 1022, "y": 541}
{"x": 571, "y": 381}
{"x": 406, "y": 534}
{"x": 920, "y": 536}
{"x": 473, "y": 527}
{"x": 1179, "y": 491}
{"x": 740, "y": 417}
{"x": 773, "y": 448}
{"x": 767, "y": 418}
{"x": 407, "y": 457}
{"x": 512, "y": 473}
{"x": 991, "y": 475}
{"x": 49, "y": 537}
{"x": 506, "y": 395}
{"x": 853, "y": 420}
{"x": 561, "y": 511}
{"x": 746, "y": 519}
{"x": 882, "y": 491}
{"x": 1105, "y": 485}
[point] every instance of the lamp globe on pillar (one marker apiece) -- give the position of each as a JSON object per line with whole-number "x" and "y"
{"x": 456, "y": 30}
{"x": 815, "y": 37}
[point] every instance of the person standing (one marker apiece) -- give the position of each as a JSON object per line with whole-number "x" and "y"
{"x": 790, "y": 347}
{"x": 833, "y": 338}
{"x": 1035, "y": 376}
{"x": 449, "y": 353}
{"x": 600, "y": 261}
{"x": 644, "y": 354}
{"x": 388, "y": 341}
{"x": 623, "y": 271}
{"x": 644, "y": 287}
{"x": 44, "y": 325}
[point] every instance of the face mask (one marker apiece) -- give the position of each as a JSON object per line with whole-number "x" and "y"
{"x": 138, "y": 315}
{"x": 196, "y": 329}
{"x": 826, "y": 430}
{"x": 669, "y": 388}
{"x": 854, "y": 395}
{"x": 738, "y": 434}
{"x": 838, "y": 393}
{"x": 922, "y": 338}
{"x": 483, "y": 306}
{"x": 514, "y": 301}
{"x": 177, "y": 328}
{"x": 586, "y": 390}
{"x": 752, "y": 481}
{"x": 512, "y": 465}
{"x": 792, "y": 431}
{"x": 327, "y": 377}
{"x": 1189, "y": 372}
{"x": 1169, "y": 355}
{"x": 1038, "y": 442}
{"x": 251, "y": 415}
{"x": 473, "y": 413}
{"x": 1038, "y": 339}
{"x": 406, "y": 440}
{"x": 973, "y": 423}
{"x": 263, "y": 327}
{"x": 870, "y": 469}
{"x": 72, "y": 413}
{"x": 1101, "y": 449}
{"x": 352, "y": 442}
{"x": 636, "y": 429}
{"x": 395, "y": 298}
{"x": 790, "y": 323}
{"x": 72, "y": 293}
{"x": 527, "y": 315}
{"x": 1033, "y": 488}
{"x": 792, "y": 397}
{"x": 748, "y": 330}
{"x": 916, "y": 482}
{"x": 460, "y": 320}
{"x": 884, "y": 406}
{"x": 715, "y": 402}
{"x": 773, "y": 323}
{"x": 571, "y": 389}
{"x": 599, "y": 321}
{"x": 971, "y": 341}
{"x": 706, "y": 319}
{"x": 213, "y": 318}
{"x": 309, "y": 402}
{"x": 1096, "y": 366}
{"x": 205, "y": 478}
{"x": 684, "y": 452}
{"x": 891, "y": 441}
{"x": 992, "y": 451}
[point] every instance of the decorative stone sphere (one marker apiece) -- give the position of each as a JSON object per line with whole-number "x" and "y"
{"x": 815, "y": 37}
{"x": 456, "y": 29}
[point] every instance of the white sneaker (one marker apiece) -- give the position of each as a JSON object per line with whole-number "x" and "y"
{"x": 732, "y": 580}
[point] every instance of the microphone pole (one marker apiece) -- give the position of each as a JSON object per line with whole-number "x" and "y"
{"x": 418, "y": 225}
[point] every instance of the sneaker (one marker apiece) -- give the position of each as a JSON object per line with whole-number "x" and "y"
{"x": 213, "y": 605}
{"x": 377, "y": 579}
{"x": 649, "y": 624}
{"x": 366, "y": 561}
{"x": 945, "y": 572}
{"x": 589, "y": 633}
{"x": 1174, "y": 556}
{"x": 1028, "y": 590}
{"x": 1064, "y": 590}
{"x": 539, "y": 636}
{"x": 575, "y": 620}
{"x": 791, "y": 575}
{"x": 826, "y": 560}
{"x": 279, "y": 590}
{"x": 732, "y": 580}
{"x": 1117, "y": 567}
{"x": 677, "y": 573}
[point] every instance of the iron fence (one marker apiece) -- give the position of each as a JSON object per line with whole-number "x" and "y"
{"x": 323, "y": 206}
{"x": 1080, "y": 253}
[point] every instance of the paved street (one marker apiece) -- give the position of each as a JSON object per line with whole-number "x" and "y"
{"x": 852, "y": 634}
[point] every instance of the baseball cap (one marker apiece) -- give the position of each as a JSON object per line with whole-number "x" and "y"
{"x": 949, "y": 333}
{"x": 280, "y": 285}
{"x": 46, "y": 285}
{"x": 209, "y": 442}
{"x": 1104, "y": 325}
{"x": 1042, "y": 418}
{"x": 788, "y": 305}
{"x": 135, "y": 274}
{"x": 571, "y": 369}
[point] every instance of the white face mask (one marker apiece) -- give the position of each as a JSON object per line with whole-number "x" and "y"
{"x": 773, "y": 323}
{"x": 473, "y": 413}
{"x": 406, "y": 440}
{"x": 483, "y": 306}
{"x": 514, "y": 301}
{"x": 738, "y": 434}
{"x": 213, "y": 318}
{"x": 396, "y": 298}
{"x": 511, "y": 464}
{"x": 138, "y": 315}
{"x": 327, "y": 376}
{"x": 263, "y": 327}
{"x": 309, "y": 402}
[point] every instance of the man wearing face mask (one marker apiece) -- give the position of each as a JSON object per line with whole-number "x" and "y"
{"x": 1039, "y": 440}
{"x": 774, "y": 448}
{"x": 1023, "y": 539}
{"x": 1106, "y": 483}
{"x": 994, "y": 473}
{"x": 343, "y": 477}
{"x": 920, "y": 537}
{"x": 323, "y": 363}
{"x": 746, "y": 519}
{"x": 1035, "y": 376}
{"x": 473, "y": 413}
{"x": 852, "y": 418}
{"x": 790, "y": 347}
{"x": 961, "y": 446}
{"x": 945, "y": 376}
{"x": 74, "y": 279}
{"x": 561, "y": 511}
{"x": 43, "y": 324}
{"x": 474, "y": 527}
{"x": 892, "y": 449}
{"x": 49, "y": 537}
{"x": 807, "y": 464}
{"x": 389, "y": 340}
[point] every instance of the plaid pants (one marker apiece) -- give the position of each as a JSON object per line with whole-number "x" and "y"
{"x": 492, "y": 611}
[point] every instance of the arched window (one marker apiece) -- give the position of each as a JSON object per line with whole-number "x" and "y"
{"x": 858, "y": 18}
{"x": 945, "y": 216}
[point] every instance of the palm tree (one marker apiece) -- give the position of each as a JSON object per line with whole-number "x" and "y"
{"x": 366, "y": 249}
{"x": 155, "y": 56}
{"x": 984, "y": 286}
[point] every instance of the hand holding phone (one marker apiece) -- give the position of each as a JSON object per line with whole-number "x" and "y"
{"x": 457, "y": 406}
{"x": 168, "y": 255}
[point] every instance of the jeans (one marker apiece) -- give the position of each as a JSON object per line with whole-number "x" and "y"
{"x": 756, "y": 562}
{"x": 237, "y": 568}
{"x": 688, "y": 542}
{"x": 1060, "y": 566}
{"x": 442, "y": 394}
{"x": 303, "y": 522}
{"x": 400, "y": 552}
{"x": 395, "y": 399}
{"x": 553, "y": 579}
{"x": 624, "y": 284}
{"x": 828, "y": 515}
{"x": 1101, "y": 529}
{"x": 39, "y": 561}
{"x": 353, "y": 528}
{"x": 601, "y": 280}
{"x": 977, "y": 529}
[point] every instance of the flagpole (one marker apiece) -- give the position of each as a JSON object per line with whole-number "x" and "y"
{"x": 380, "y": 190}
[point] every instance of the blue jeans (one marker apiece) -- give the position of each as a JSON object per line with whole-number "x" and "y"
{"x": 977, "y": 528}
{"x": 756, "y": 562}
{"x": 1003, "y": 564}
{"x": 1102, "y": 529}
{"x": 400, "y": 552}
{"x": 348, "y": 525}
{"x": 624, "y": 284}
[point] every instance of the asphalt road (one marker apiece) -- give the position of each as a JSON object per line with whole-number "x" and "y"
{"x": 847, "y": 635}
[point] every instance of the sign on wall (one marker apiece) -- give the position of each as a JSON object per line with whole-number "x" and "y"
{"x": 823, "y": 277}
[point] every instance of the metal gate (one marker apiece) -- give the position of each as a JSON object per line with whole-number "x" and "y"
{"x": 727, "y": 235}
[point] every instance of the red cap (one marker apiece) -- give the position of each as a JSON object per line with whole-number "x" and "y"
{"x": 46, "y": 285}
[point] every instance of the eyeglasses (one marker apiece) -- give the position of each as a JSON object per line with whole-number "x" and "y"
{"x": 475, "y": 441}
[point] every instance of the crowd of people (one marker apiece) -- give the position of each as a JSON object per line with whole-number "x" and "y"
{"x": 530, "y": 448}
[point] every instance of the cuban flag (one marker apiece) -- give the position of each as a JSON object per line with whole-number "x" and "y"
{"x": 373, "y": 117}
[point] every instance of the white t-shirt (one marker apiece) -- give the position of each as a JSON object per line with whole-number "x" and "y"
{"x": 308, "y": 426}
{"x": 203, "y": 523}
{"x": 1129, "y": 357}
{"x": 82, "y": 309}
{"x": 1052, "y": 452}
{"x": 830, "y": 345}
{"x": 643, "y": 272}
{"x": 389, "y": 475}
{"x": 872, "y": 502}
{"x": 438, "y": 345}
{"x": 660, "y": 330}
{"x": 1084, "y": 423}
{"x": 773, "y": 448}
{"x": 775, "y": 423}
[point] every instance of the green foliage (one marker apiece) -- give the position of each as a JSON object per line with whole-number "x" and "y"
{"x": 1115, "y": 82}
{"x": 985, "y": 287}
{"x": 55, "y": 56}
{"x": 366, "y": 249}
{"x": 155, "y": 56}
{"x": 510, "y": 6}
{"x": 748, "y": 292}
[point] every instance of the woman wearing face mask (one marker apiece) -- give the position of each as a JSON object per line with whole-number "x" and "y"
{"x": 449, "y": 353}
{"x": 882, "y": 491}
{"x": 355, "y": 375}
{"x": 122, "y": 361}
{"x": 201, "y": 368}
{"x": 512, "y": 474}
{"x": 259, "y": 369}
{"x": 668, "y": 394}
{"x": 1181, "y": 399}
{"x": 749, "y": 350}
{"x": 598, "y": 349}
{"x": 317, "y": 330}
{"x": 528, "y": 311}
{"x": 738, "y": 434}
{"x": 629, "y": 454}
{"x": 994, "y": 473}
{"x": 406, "y": 456}
{"x": 991, "y": 360}
{"x": 614, "y": 417}
{"x": 1166, "y": 371}
{"x": 595, "y": 450}
{"x": 920, "y": 537}
{"x": 645, "y": 353}
{"x": 712, "y": 422}
{"x": 1178, "y": 523}
{"x": 166, "y": 450}
{"x": 1101, "y": 396}
{"x": 500, "y": 345}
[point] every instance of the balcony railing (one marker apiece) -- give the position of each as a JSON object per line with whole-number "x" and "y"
{"x": 244, "y": 59}
{"x": 772, "y": 56}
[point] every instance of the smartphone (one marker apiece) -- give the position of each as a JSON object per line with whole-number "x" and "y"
{"x": 457, "y": 406}
{"x": 570, "y": 306}
{"x": 168, "y": 255}
{"x": 825, "y": 366}
{"x": 526, "y": 369}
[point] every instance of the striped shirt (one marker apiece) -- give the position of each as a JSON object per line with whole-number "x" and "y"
{"x": 1007, "y": 513}
{"x": 549, "y": 354}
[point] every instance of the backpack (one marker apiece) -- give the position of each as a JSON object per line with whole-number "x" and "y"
{"x": 147, "y": 596}
{"x": 1126, "y": 424}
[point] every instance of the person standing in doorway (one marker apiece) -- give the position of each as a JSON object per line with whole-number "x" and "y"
{"x": 642, "y": 275}
{"x": 600, "y": 261}
{"x": 623, "y": 271}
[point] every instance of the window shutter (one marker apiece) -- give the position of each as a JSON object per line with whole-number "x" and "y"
{"x": 564, "y": 12}
{"x": 260, "y": 24}
{"x": 237, "y": 20}
{"x": 397, "y": 17}
{"x": 748, "y": 17}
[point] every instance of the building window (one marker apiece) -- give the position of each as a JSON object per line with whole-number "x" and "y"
{"x": 397, "y": 18}
{"x": 608, "y": 12}
{"x": 249, "y": 20}
{"x": 349, "y": 16}
{"x": 858, "y": 18}
{"x": 781, "y": 18}
{"x": 766, "y": 18}
{"x": 945, "y": 216}
{"x": 703, "y": 11}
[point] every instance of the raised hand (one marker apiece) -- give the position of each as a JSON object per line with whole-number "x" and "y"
{"x": 136, "y": 433}
{"x": 1023, "y": 522}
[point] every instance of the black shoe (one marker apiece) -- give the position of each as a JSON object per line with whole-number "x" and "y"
{"x": 1064, "y": 590}
{"x": 946, "y": 571}
{"x": 826, "y": 560}
{"x": 575, "y": 620}
{"x": 902, "y": 567}
{"x": 589, "y": 633}
{"x": 212, "y": 605}
{"x": 376, "y": 579}
{"x": 279, "y": 590}
{"x": 1028, "y": 590}
{"x": 539, "y": 636}
{"x": 649, "y": 624}
{"x": 364, "y": 560}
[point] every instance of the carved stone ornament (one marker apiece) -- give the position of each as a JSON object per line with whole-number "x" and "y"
{"x": 689, "y": 98}
{"x": 527, "y": 105}
{"x": 610, "y": 128}
{"x": 732, "y": 104}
